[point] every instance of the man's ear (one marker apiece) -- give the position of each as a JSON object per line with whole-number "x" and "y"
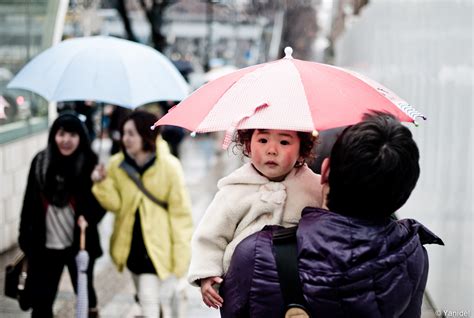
{"x": 325, "y": 171}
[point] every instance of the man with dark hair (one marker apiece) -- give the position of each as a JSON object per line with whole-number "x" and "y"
{"x": 353, "y": 259}
{"x": 374, "y": 168}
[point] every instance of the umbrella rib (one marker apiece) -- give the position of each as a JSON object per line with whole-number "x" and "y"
{"x": 63, "y": 74}
{"x": 198, "y": 128}
{"x": 128, "y": 83}
{"x": 406, "y": 108}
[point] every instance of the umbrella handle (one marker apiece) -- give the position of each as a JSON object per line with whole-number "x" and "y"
{"x": 82, "y": 242}
{"x": 82, "y": 239}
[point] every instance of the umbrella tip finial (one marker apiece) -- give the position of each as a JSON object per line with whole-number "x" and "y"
{"x": 288, "y": 52}
{"x": 315, "y": 133}
{"x": 152, "y": 127}
{"x": 193, "y": 134}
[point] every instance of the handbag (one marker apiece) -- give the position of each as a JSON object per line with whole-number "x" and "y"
{"x": 16, "y": 275}
{"x": 286, "y": 257}
{"x": 130, "y": 171}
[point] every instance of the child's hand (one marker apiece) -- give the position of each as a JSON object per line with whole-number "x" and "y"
{"x": 209, "y": 295}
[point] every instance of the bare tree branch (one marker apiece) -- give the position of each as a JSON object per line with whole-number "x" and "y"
{"x": 122, "y": 10}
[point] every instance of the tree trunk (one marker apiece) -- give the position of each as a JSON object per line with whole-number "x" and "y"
{"x": 155, "y": 17}
{"x": 122, "y": 10}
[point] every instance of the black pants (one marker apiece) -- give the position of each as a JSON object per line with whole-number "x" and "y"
{"x": 45, "y": 274}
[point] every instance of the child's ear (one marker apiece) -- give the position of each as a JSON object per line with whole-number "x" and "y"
{"x": 248, "y": 149}
{"x": 299, "y": 162}
{"x": 325, "y": 171}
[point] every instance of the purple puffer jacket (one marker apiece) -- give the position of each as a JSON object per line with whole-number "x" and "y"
{"x": 348, "y": 267}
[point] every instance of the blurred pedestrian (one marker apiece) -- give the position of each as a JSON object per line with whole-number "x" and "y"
{"x": 58, "y": 197}
{"x": 272, "y": 188}
{"x": 84, "y": 108}
{"x": 144, "y": 187}
{"x": 172, "y": 134}
{"x": 117, "y": 117}
{"x": 352, "y": 259}
{"x": 327, "y": 138}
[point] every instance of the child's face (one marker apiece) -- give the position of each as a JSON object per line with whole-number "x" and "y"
{"x": 274, "y": 152}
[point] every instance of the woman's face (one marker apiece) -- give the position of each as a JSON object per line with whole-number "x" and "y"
{"x": 274, "y": 152}
{"x": 131, "y": 139}
{"x": 66, "y": 141}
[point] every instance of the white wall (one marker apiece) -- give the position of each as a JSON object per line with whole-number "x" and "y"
{"x": 422, "y": 49}
{"x": 15, "y": 159}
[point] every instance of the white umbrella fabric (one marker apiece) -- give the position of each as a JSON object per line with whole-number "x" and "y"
{"x": 82, "y": 262}
{"x": 82, "y": 301}
{"x": 103, "y": 69}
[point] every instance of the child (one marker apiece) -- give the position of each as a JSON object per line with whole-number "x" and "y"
{"x": 354, "y": 260}
{"x": 272, "y": 189}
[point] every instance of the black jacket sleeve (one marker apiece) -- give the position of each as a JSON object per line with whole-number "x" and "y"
{"x": 31, "y": 210}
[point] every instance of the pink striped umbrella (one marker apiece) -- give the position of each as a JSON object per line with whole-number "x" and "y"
{"x": 287, "y": 94}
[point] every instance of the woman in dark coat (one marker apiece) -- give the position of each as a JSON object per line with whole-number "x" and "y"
{"x": 57, "y": 198}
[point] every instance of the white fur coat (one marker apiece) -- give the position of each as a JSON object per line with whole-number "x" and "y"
{"x": 245, "y": 203}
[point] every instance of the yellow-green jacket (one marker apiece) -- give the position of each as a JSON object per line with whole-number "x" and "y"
{"x": 166, "y": 233}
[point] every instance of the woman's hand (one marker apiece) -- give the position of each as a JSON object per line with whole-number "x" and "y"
{"x": 82, "y": 222}
{"x": 209, "y": 294}
{"x": 99, "y": 173}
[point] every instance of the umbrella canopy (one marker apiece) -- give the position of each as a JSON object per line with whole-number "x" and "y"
{"x": 287, "y": 94}
{"x": 103, "y": 69}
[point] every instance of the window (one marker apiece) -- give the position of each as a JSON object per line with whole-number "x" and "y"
{"x": 22, "y": 37}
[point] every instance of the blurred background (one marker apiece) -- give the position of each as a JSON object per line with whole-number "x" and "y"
{"x": 421, "y": 49}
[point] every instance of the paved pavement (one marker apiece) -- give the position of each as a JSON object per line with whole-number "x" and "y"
{"x": 203, "y": 163}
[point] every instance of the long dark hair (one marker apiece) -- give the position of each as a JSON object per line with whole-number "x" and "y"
{"x": 60, "y": 176}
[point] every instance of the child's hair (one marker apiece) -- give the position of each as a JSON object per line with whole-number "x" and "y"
{"x": 143, "y": 121}
{"x": 307, "y": 142}
{"x": 373, "y": 168}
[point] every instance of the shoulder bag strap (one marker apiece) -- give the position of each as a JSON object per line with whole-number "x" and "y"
{"x": 138, "y": 182}
{"x": 286, "y": 256}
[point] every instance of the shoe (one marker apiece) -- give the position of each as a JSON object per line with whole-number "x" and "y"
{"x": 93, "y": 313}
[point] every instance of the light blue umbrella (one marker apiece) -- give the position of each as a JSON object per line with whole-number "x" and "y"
{"x": 102, "y": 69}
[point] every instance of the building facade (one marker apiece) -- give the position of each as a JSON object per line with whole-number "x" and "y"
{"x": 26, "y": 29}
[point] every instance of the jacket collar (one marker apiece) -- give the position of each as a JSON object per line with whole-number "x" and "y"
{"x": 347, "y": 224}
{"x": 247, "y": 174}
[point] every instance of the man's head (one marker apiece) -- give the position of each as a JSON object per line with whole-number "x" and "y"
{"x": 373, "y": 168}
